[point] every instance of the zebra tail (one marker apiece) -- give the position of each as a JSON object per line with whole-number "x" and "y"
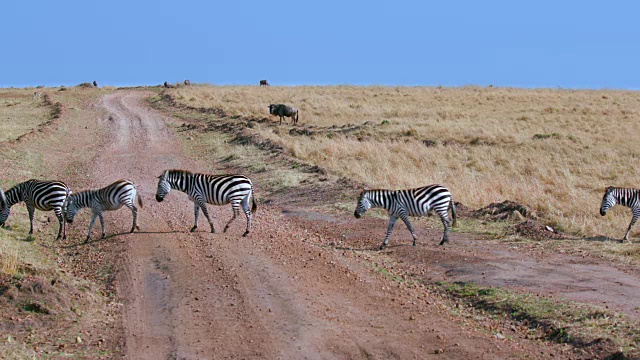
{"x": 139, "y": 200}
{"x": 254, "y": 204}
{"x": 297, "y": 116}
{"x": 453, "y": 213}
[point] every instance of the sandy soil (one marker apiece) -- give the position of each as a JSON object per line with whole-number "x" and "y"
{"x": 294, "y": 289}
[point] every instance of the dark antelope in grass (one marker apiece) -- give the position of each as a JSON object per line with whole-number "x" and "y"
{"x": 282, "y": 110}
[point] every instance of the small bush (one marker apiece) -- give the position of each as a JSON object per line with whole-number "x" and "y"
{"x": 546, "y": 136}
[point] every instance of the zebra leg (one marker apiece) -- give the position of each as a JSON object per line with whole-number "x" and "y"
{"x": 247, "y": 213}
{"x": 196, "y": 210}
{"x": 447, "y": 227}
{"x": 32, "y": 211}
{"x": 633, "y": 221}
{"x": 236, "y": 211}
{"x": 392, "y": 222}
{"x": 203, "y": 206}
{"x": 134, "y": 211}
{"x": 101, "y": 216}
{"x": 405, "y": 218}
{"x": 62, "y": 228}
{"x": 93, "y": 220}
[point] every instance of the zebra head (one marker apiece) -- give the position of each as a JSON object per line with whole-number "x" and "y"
{"x": 4, "y": 208}
{"x": 70, "y": 208}
{"x": 363, "y": 205}
{"x": 608, "y": 200}
{"x": 163, "y": 187}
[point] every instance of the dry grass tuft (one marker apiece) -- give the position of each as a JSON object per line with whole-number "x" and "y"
{"x": 552, "y": 150}
{"x": 8, "y": 259}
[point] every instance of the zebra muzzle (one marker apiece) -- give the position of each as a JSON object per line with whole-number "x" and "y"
{"x": 159, "y": 199}
{"x": 356, "y": 215}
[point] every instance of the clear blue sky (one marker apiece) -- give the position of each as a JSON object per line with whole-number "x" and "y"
{"x": 569, "y": 44}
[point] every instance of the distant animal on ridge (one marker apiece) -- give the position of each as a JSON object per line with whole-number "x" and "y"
{"x": 282, "y": 110}
{"x": 36, "y": 95}
{"x": 166, "y": 84}
{"x": 625, "y": 197}
{"x": 36, "y": 194}
{"x": 187, "y": 82}
{"x": 108, "y": 198}
{"x": 95, "y": 83}
{"x": 412, "y": 202}
{"x": 264, "y": 83}
{"x": 206, "y": 189}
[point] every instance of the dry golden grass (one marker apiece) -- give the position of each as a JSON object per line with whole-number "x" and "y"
{"x": 553, "y": 150}
{"x": 20, "y": 112}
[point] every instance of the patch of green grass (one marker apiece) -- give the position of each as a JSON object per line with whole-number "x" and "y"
{"x": 562, "y": 321}
{"x": 491, "y": 229}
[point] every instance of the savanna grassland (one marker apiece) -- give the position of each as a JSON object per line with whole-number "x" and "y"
{"x": 552, "y": 150}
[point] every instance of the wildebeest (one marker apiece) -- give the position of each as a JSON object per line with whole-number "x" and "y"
{"x": 166, "y": 84}
{"x": 95, "y": 83}
{"x": 187, "y": 82}
{"x": 264, "y": 83}
{"x": 284, "y": 110}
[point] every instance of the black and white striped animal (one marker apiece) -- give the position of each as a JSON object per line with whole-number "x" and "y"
{"x": 36, "y": 194}
{"x": 206, "y": 189}
{"x": 412, "y": 202}
{"x": 284, "y": 110}
{"x": 111, "y": 197}
{"x": 625, "y": 197}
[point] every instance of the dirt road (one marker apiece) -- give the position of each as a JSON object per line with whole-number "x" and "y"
{"x": 270, "y": 295}
{"x": 283, "y": 292}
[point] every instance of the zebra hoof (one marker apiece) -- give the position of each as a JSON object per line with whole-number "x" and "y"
{"x": 382, "y": 246}
{"x": 245, "y": 234}
{"x": 443, "y": 241}
{"x": 86, "y": 241}
{"x": 193, "y": 229}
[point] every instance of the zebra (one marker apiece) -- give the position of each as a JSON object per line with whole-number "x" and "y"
{"x": 111, "y": 197}
{"x": 206, "y": 189}
{"x": 625, "y": 197}
{"x": 36, "y": 194}
{"x": 36, "y": 95}
{"x": 411, "y": 202}
{"x": 284, "y": 110}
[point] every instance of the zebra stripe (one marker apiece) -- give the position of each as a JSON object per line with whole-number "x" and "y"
{"x": 411, "y": 202}
{"x": 625, "y": 197}
{"x": 206, "y": 189}
{"x": 36, "y": 194}
{"x": 109, "y": 198}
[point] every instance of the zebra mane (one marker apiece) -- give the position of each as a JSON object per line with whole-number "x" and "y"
{"x": 174, "y": 171}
